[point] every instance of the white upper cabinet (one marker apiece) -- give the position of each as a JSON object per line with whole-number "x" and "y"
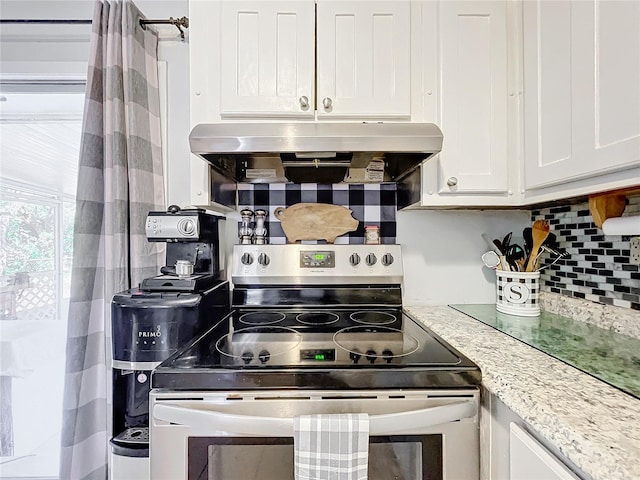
{"x": 363, "y": 59}
{"x": 474, "y": 167}
{"x": 267, "y": 59}
{"x": 581, "y": 94}
{"x": 474, "y": 96}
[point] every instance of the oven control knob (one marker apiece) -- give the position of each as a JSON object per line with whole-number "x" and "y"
{"x": 247, "y": 357}
{"x": 387, "y": 259}
{"x": 264, "y": 356}
{"x": 371, "y": 356}
{"x": 371, "y": 259}
{"x": 355, "y": 356}
{"x": 263, "y": 259}
{"x": 387, "y": 355}
{"x": 354, "y": 259}
{"x": 246, "y": 259}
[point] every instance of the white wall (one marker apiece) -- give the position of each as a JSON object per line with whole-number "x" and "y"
{"x": 442, "y": 250}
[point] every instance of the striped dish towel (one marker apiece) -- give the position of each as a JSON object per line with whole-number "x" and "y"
{"x": 331, "y": 447}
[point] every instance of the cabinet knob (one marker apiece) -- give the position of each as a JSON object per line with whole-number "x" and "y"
{"x": 326, "y": 103}
{"x": 452, "y": 182}
{"x": 304, "y": 102}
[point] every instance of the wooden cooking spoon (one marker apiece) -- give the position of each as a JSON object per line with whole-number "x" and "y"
{"x": 539, "y": 232}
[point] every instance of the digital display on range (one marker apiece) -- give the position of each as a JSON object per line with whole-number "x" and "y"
{"x": 317, "y": 259}
{"x": 323, "y": 355}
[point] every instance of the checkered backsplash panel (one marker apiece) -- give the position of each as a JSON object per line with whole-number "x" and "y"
{"x": 371, "y": 204}
{"x": 599, "y": 268}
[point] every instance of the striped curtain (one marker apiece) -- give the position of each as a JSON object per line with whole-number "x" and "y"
{"x": 119, "y": 181}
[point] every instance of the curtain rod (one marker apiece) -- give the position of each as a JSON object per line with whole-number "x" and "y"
{"x": 178, "y": 22}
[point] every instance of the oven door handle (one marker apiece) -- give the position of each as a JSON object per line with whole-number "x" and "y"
{"x": 386, "y": 424}
{"x": 418, "y": 420}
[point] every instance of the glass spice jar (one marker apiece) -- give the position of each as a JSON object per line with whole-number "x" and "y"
{"x": 372, "y": 235}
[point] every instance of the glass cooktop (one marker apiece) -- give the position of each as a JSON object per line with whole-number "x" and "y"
{"x": 265, "y": 346}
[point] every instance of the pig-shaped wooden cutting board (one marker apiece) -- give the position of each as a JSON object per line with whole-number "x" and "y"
{"x": 315, "y": 221}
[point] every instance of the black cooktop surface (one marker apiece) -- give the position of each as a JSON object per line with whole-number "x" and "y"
{"x": 316, "y": 348}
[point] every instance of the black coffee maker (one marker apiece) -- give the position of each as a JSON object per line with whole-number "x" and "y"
{"x": 193, "y": 249}
{"x": 151, "y": 322}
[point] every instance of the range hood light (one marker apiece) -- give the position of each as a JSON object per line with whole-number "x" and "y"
{"x": 315, "y": 154}
{"x": 316, "y": 162}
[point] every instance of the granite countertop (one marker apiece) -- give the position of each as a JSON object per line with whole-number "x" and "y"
{"x": 596, "y": 426}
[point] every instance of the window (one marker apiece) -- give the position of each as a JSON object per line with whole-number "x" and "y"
{"x": 39, "y": 145}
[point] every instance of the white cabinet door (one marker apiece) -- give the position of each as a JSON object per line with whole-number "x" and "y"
{"x": 267, "y": 59}
{"x": 364, "y": 58}
{"x": 529, "y": 460}
{"x": 581, "y": 90}
{"x": 606, "y": 110}
{"x": 474, "y": 96}
{"x": 547, "y": 91}
{"x": 474, "y": 102}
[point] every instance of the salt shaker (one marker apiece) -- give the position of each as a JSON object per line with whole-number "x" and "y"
{"x": 246, "y": 232}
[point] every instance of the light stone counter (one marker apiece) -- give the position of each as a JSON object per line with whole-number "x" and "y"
{"x": 596, "y": 426}
{"x": 608, "y": 317}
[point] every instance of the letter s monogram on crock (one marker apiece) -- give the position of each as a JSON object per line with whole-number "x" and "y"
{"x": 516, "y": 292}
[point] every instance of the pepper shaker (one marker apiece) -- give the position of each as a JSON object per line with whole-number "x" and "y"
{"x": 260, "y": 232}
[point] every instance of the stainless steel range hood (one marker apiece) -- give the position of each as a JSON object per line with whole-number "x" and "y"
{"x": 315, "y": 152}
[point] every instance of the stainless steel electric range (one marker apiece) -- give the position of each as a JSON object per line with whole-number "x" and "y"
{"x": 314, "y": 329}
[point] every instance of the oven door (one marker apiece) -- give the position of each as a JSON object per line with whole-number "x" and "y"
{"x": 249, "y": 435}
